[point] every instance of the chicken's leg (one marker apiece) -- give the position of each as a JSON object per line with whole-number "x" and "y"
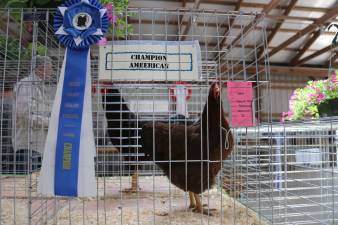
{"x": 199, "y": 207}
{"x": 134, "y": 184}
{"x": 192, "y": 200}
{"x": 134, "y": 181}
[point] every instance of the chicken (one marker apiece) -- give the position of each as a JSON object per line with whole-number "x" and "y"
{"x": 122, "y": 125}
{"x": 122, "y": 130}
{"x": 191, "y": 156}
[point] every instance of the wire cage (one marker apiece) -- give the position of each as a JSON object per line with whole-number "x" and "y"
{"x": 277, "y": 173}
{"x": 289, "y": 171}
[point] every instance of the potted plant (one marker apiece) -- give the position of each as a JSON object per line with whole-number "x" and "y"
{"x": 318, "y": 99}
{"x": 117, "y": 14}
{"x": 116, "y": 9}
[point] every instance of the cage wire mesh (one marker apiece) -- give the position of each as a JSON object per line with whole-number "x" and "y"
{"x": 289, "y": 171}
{"x": 277, "y": 173}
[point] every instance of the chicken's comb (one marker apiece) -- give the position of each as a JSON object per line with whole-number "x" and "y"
{"x": 215, "y": 84}
{"x": 216, "y": 89}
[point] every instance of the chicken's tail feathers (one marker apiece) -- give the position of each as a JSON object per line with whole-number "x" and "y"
{"x": 146, "y": 139}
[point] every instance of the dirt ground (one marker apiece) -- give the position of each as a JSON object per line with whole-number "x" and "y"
{"x": 157, "y": 202}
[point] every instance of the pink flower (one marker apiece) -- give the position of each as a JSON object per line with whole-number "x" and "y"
{"x": 109, "y": 7}
{"x": 320, "y": 97}
{"x": 102, "y": 42}
{"x": 289, "y": 114}
{"x": 334, "y": 77}
{"x": 110, "y": 13}
{"x": 113, "y": 19}
{"x": 282, "y": 119}
{"x": 286, "y": 115}
{"x": 311, "y": 95}
{"x": 294, "y": 95}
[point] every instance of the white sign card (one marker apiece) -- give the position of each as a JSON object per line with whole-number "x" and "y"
{"x": 150, "y": 61}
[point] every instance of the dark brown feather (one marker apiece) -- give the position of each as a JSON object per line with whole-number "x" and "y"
{"x": 190, "y": 156}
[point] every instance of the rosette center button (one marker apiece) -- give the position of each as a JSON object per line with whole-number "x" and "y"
{"x": 82, "y": 21}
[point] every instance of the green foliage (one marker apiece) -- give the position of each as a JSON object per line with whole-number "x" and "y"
{"x": 9, "y": 48}
{"x": 29, "y": 3}
{"x": 12, "y": 51}
{"x": 39, "y": 48}
{"x": 304, "y": 101}
{"x": 121, "y": 28}
{"x": 16, "y": 4}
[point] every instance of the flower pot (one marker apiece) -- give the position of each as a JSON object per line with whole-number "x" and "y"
{"x": 328, "y": 108}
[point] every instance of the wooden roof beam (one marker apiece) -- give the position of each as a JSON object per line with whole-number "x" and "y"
{"x": 248, "y": 27}
{"x": 314, "y": 55}
{"x": 184, "y": 4}
{"x": 273, "y": 4}
{"x": 295, "y": 18}
{"x": 326, "y": 17}
{"x": 245, "y": 4}
{"x": 284, "y": 7}
{"x": 285, "y": 70}
{"x": 332, "y": 60}
{"x": 231, "y": 22}
{"x": 287, "y": 11}
{"x": 306, "y": 46}
{"x": 335, "y": 64}
{"x": 183, "y": 36}
{"x": 180, "y": 18}
{"x": 200, "y": 24}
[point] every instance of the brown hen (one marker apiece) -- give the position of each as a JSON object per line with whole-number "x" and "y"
{"x": 191, "y": 156}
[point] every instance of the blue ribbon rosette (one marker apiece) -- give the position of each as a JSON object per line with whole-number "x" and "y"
{"x": 68, "y": 161}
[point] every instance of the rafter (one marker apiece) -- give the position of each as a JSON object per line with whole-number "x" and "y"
{"x": 306, "y": 46}
{"x": 254, "y": 5}
{"x": 235, "y": 26}
{"x": 184, "y": 4}
{"x": 180, "y": 18}
{"x": 188, "y": 26}
{"x": 247, "y": 28}
{"x": 332, "y": 60}
{"x": 287, "y": 11}
{"x": 231, "y": 22}
{"x": 314, "y": 55}
{"x": 273, "y": 4}
{"x": 286, "y": 70}
{"x": 334, "y": 64}
{"x": 295, "y": 18}
{"x": 327, "y": 16}
{"x": 283, "y": 7}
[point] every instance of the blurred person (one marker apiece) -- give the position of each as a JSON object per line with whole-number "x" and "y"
{"x": 33, "y": 100}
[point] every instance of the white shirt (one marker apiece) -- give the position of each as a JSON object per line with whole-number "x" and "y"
{"x": 31, "y": 111}
{"x": 32, "y": 107}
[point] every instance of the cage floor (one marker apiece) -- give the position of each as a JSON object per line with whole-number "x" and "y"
{"x": 151, "y": 205}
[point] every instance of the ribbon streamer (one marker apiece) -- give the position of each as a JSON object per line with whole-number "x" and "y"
{"x": 68, "y": 161}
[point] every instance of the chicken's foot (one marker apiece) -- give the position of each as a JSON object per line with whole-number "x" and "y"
{"x": 134, "y": 185}
{"x": 192, "y": 200}
{"x": 199, "y": 207}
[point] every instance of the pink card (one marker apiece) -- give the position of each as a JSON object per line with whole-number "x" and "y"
{"x": 239, "y": 90}
{"x": 240, "y": 96}
{"x": 234, "y": 84}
